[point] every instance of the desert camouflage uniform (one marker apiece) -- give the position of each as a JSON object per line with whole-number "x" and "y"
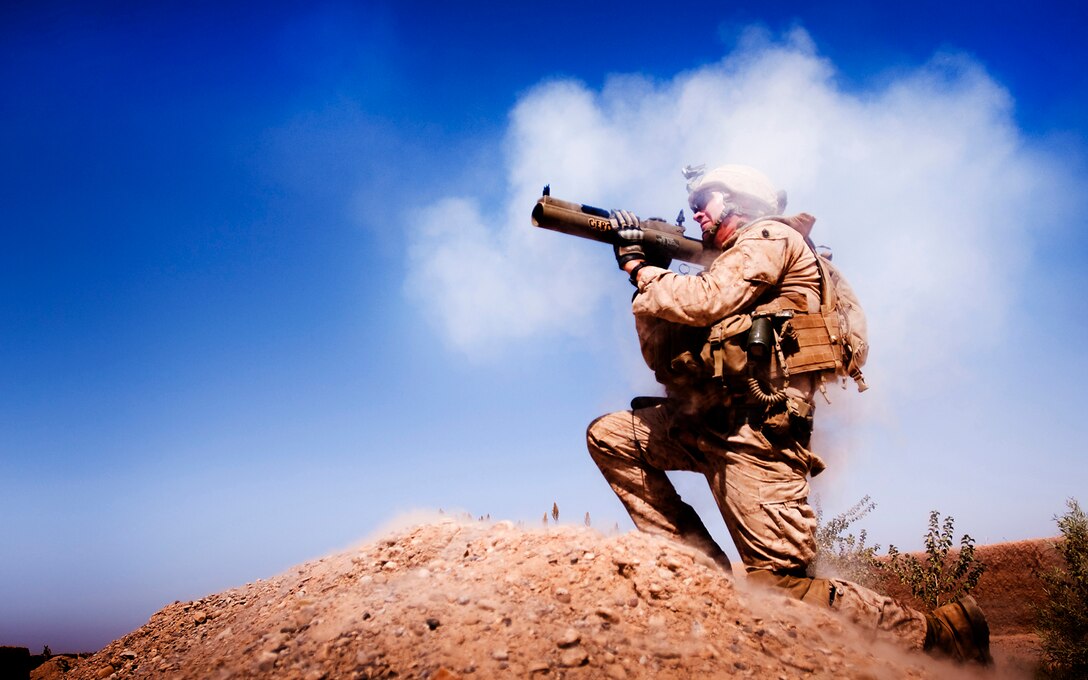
{"x": 756, "y": 461}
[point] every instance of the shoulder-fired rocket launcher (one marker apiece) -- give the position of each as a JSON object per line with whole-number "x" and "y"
{"x": 586, "y": 221}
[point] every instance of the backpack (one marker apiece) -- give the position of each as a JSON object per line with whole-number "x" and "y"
{"x": 845, "y": 321}
{"x": 847, "y": 333}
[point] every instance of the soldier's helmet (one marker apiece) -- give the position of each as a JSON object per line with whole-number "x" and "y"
{"x": 749, "y": 191}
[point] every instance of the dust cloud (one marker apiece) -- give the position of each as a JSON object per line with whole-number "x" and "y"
{"x": 914, "y": 177}
{"x": 911, "y": 175}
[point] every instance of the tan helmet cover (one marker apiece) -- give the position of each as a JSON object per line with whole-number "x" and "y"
{"x": 749, "y": 189}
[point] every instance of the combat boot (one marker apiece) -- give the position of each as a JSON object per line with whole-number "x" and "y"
{"x": 959, "y": 630}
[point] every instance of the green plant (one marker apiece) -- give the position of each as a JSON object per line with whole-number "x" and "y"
{"x": 843, "y": 555}
{"x": 1062, "y": 618}
{"x": 941, "y": 578}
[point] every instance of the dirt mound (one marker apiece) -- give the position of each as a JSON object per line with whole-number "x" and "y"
{"x": 474, "y": 600}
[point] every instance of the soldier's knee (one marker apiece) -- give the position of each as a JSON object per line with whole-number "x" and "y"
{"x": 593, "y": 434}
{"x": 606, "y": 426}
{"x": 601, "y": 434}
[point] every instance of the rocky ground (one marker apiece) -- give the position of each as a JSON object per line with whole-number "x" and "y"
{"x": 462, "y": 599}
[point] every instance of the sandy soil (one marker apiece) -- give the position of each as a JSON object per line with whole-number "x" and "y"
{"x": 454, "y": 599}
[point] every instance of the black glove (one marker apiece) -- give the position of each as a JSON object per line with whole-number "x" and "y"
{"x": 628, "y": 231}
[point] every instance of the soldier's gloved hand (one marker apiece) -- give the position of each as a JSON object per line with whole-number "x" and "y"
{"x": 628, "y": 231}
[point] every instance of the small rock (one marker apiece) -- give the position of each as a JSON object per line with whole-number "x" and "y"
{"x": 266, "y": 662}
{"x": 615, "y": 671}
{"x": 670, "y": 562}
{"x": 104, "y": 672}
{"x": 500, "y": 655}
{"x": 277, "y": 643}
{"x": 390, "y": 566}
{"x": 128, "y": 654}
{"x": 607, "y": 614}
{"x": 200, "y": 617}
{"x": 433, "y": 623}
{"x": 539, "y": 667}
{"x": 563, "y": 595}
{"x": 573, "y": 657}
{"x": 569, "y": 638}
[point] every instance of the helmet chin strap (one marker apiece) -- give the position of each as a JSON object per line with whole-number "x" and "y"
{"x": 726, "y": 211}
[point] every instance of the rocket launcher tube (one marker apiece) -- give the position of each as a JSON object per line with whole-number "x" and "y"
{"x": 589, "y": 222}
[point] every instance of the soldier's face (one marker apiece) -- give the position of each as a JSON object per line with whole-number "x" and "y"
{"x": 709, "y": 210}
{"x": 708, "y": 207}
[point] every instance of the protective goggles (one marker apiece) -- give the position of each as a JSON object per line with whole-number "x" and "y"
{"x": 700, "y": 200}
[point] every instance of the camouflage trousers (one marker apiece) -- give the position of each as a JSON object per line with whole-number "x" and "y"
{"x": 762, "y": 493}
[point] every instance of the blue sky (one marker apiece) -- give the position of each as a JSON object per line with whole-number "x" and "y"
{"x": 268, "y": 281}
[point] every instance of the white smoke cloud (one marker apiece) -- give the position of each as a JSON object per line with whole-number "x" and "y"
{"x": 911, "y": 181}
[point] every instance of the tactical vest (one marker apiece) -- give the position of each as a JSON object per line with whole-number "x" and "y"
{"x": 831, "y": 340}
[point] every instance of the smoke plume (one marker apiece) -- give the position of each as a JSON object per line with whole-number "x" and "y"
{"x": 910, "y": 179}
{"x": 924, "y": 188}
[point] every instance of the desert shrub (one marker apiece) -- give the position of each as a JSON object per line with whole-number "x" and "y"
{"x": 940, "y": 579}
{"x": 840, "y": 554}
{"x": 1062, "y": 618}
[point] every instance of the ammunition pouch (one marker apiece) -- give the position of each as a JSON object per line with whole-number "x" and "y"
{"x": 726, "y": 349}
{"x": 807, "y": 344}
